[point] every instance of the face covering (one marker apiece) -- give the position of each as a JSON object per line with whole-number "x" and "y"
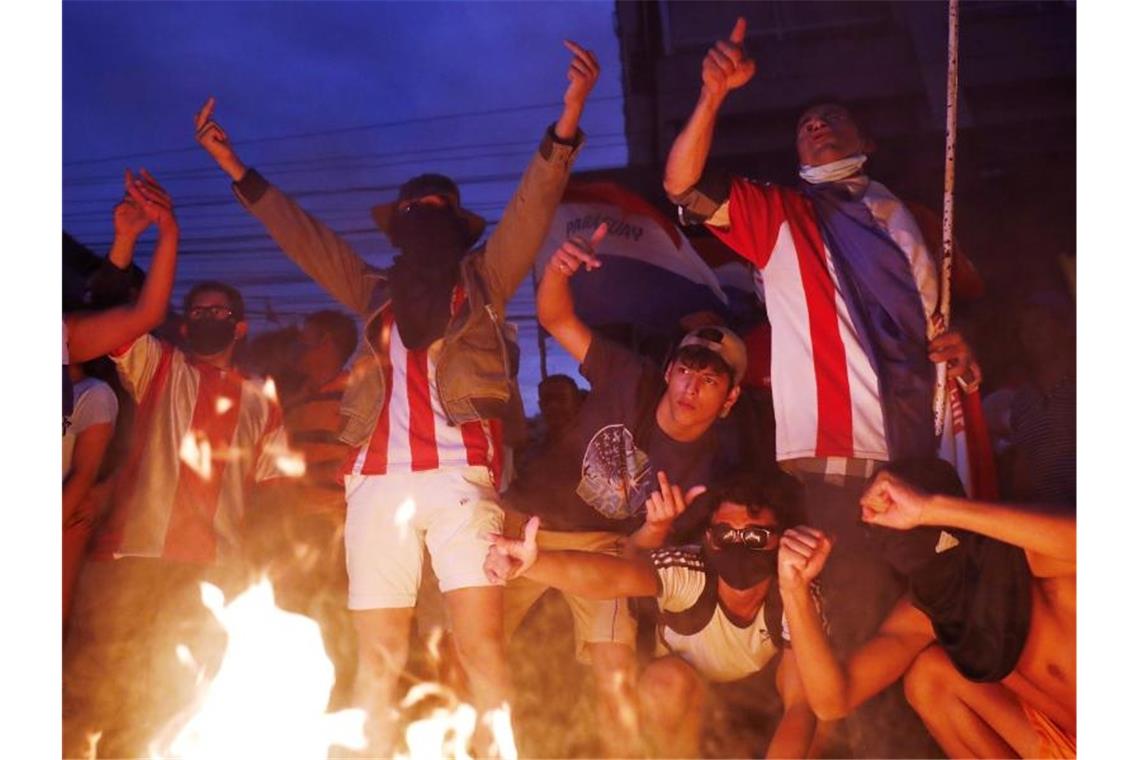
{"x": 207, "y": 337}
{"x": 740, "y": 567}
{"x": 428, "y": 236}
{"x": 834, "y": 171}
{"x": 432, "y": 240}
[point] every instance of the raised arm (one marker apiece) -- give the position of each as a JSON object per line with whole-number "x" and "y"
{"x": 92, "y": 334}
{"x": 725, "y": 68}
{"x": 314, "y": 246}
{"x": 586, "y": 574}
{"x": 554, "y": 301}
{"x": 513, "y": 245}
{"x": 834, "y": 689}
{"x": 891, "y": 502}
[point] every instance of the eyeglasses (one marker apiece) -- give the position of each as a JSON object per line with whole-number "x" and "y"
{"x": 754, "y": 537}
{"x": 214, "y": 312}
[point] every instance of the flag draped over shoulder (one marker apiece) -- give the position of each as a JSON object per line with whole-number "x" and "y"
{"x": 650, "y": 276}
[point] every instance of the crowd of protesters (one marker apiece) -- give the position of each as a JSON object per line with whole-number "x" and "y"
{"x": 797, "y": 555}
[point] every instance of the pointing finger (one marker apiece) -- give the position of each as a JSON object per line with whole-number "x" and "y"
{"x": 738, "y": 31}
{"x": 599, "y": 233}
{"x": 204, "y": 113}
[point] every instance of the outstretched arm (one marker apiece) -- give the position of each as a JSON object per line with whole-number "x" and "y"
{"x": 554, "y": 302}
{"x": 725, "y": 68}
{"x": 586, "y": 574}
{"x": 314, "y": 246}
{"x": 92, "y": 334}
{"x": 834, "y": 689}
{"x": 513, "y": 245}
{"x": 891, "y": 502}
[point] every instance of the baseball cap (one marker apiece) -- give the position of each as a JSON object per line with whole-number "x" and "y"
{"x": 724, "y": 343}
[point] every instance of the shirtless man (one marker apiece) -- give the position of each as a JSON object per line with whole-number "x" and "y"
{"x": 1021, "y": 697}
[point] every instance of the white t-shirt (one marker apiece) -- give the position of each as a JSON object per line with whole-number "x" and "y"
{"x": 722, "y": 650}
{"x": 95, "y": 404}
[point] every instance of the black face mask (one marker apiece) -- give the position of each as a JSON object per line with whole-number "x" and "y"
{"x": 429, "y": 236}
{"x": 207, "y": 337}
{"x": 741, "y": 567}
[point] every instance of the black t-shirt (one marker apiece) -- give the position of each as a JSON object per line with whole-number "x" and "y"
{"x": 599, "y": 473}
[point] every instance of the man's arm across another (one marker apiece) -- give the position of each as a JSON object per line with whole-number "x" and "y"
{"x": 586, "y": 574}
{"x": 92, "y": 334}
{"x": 1048, "y": 538}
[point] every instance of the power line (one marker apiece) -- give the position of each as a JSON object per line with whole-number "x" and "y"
{"x": 341, "y": 130}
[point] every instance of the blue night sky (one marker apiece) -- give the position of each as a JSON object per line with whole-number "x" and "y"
{"x": 336, "y": 103}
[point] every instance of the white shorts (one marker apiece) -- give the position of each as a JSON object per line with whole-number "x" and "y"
{"x": 389, "y": 519}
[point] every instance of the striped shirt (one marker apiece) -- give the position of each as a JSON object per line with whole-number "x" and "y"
{"x": 412, "y": 433}
{"x": 824, "y": 387}
{"x": 202, "y": 436}
{"x": 312, "y": 421}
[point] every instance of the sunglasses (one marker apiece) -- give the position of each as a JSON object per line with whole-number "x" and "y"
{"x": 753, "y": 537}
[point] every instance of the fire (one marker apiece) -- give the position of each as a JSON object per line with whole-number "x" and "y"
{"x": 270, "y": 389}
{"x": 195, "y": 452}
{"x": 268, "y": 698}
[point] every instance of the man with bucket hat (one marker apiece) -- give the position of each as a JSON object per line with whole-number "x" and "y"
{"x": 426, "y": 396}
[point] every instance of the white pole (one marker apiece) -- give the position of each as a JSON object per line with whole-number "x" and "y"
{"x": 942, "y": 322}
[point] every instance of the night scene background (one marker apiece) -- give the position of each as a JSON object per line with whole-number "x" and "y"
{"x": 338, "y": 103}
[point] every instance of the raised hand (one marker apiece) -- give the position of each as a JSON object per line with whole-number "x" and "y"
{"x": 216, "y": 142}
{"x": 891, "y": 502}
{"x": 664, "y": 506}
{"x": 582, "y": 73}
{"x": 803, "y": 553}
{"x": 727, "y": 66}
{"x": 509, "y": 558}
{"x": 575, "y": 252}
{"x": 130, "y": 220}
{"x": 154, "y": 202}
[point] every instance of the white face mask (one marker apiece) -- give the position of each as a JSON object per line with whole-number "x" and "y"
{"x": 834, "y": 171}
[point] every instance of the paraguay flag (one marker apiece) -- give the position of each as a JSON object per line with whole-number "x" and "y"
{"x": 650, "y": 275}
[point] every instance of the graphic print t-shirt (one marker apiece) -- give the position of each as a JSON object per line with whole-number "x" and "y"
{"x": 598, "y": 475}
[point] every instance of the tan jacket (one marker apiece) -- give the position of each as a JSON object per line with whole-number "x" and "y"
{"x": 473, "y": 365}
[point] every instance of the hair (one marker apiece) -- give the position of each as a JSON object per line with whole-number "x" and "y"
{"x": 232, "y": 294}
{"x": 775, "y": 490}
{"x": 340, "y": 327}
{"x": 930, "y": 474}
{"x": 553, "y": 379}
{"x": 700, "y": 357}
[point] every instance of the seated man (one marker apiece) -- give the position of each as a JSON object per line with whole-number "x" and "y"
{"x": 991, "y": 674}
{"x": 591, "y": 484}
{"x": 719, "y": 610}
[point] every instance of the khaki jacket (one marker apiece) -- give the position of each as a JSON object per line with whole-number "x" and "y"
{"x": 474, "y": 374}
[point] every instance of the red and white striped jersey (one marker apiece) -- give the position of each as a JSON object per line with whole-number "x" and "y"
{"x": 824, "y": 387}
{"x": 412, "y": 433}
{"x": 202, "y": 436}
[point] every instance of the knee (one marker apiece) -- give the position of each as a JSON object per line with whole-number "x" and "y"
{"x": 925, "y": 683}
{"x": 670, "y": 685}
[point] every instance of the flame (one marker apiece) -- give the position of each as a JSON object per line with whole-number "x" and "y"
{"x": 270, "y": 389}
{"x": 268, "y": 698}
{"x": 291, "y": 464}
{"x": 195, "y": 452}
{"x": 223, "y": 404}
